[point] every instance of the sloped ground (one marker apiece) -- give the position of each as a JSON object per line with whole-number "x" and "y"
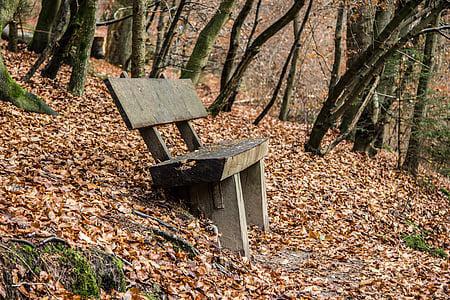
{"x": 336, "y": 222}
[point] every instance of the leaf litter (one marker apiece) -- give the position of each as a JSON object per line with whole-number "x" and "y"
{"x": 336, "y": 221}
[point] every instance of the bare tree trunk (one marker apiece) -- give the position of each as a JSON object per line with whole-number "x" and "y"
{"x": 359, "y": 38}
{"x": 119, "y": 37}
{"x": 138, "y": 44}
{"x": 235, "y": 38}
{"x": 250, "y": 54}
{"x": 43, "y": 29}
{"x": 13, "y": 36}
{"x": 81, "y": 59}
{"x": 413, "y": 154}
{"x": 205, "y": 42}
{"x": 285, "y": 104}
{"x": 295, "y": 46}
{"x": 337, "y": 46}
{"x": 60, "y": 53}
{"x": 161, "y": 55}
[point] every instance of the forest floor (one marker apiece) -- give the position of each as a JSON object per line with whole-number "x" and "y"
{"x": 338, "y": 223}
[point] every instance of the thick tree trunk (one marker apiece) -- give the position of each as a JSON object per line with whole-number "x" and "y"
{"x": 119, "y": 37}
{"x": 138, "y": 40}
{"x": 86, "y": 36}
{"x": 359, "y": 38}
{"x": 413, "y": 154}
{"x": 206, "y": 40}
{"x": 366, "y": 129}
{"x": 250, "y": 54}
{"x": 44, "y": 25}
{"x": 9, "y": 90}
{"x": 12, "y": 92}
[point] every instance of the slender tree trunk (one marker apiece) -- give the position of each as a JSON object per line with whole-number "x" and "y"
{"x": 295, "y": 46}
{"x": 286, "y": 102}
{"x": 138, "y": 45}
{"x": 413, "y": 154}
{"x": 206, "y": 40}
{"x": 250, "y": 54}
{"x": 44, "y": 25}
{"x": 81, "y": 59}
{"x": 161, "y": 55}
{"x": 235, "y": 38}
{"x": 337, "y": 46}
{"x": 13, "y": 36}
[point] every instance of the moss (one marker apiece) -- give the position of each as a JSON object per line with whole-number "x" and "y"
{"x": 80, "y": 278}
{"x": 445, "y": 192}
{"x": 417, "y": 242}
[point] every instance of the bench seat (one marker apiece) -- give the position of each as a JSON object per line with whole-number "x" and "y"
{"x": 209, "y": 164}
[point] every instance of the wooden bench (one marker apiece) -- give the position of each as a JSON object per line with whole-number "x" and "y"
{"x": 226, "y": 181}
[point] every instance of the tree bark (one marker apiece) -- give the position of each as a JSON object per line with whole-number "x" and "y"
{"x": 138, "y": 44}
{"x": 250, "y": 54}
{"x": 359, "y": 37}
{"x": 86, "y": 36}
{"x": 13, "y": 36}
{"x": 413, "y": 154}
{"x": 337, "y": 46}
{"x": 44, "y": 25}
{"x": 119, "y": 37}
{"x": 206, "y": 40}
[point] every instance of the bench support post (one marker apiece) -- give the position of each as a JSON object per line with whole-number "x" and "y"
{"x": 231, "y": 219}
{"x": 254, "y": 192}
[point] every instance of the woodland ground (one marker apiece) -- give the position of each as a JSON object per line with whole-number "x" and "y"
{"x": 336, "y": 222}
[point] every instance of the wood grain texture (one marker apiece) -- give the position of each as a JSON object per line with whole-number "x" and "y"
{"x": 209, "y": 164}
{"x": 144, "y": 102}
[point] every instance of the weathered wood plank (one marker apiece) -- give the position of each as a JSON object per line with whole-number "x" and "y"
{"x": 231, "y": 220}
{"x": 155, "y": 143}
{"x": 254, "y": 190}
{"x": 189, "y": 135}
{"x": 209, "y": 164}
{"x": 144, "y": 102}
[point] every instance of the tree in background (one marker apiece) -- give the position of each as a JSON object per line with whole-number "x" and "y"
{"x": 205, "y": 42}
{"x": 413, "y": 155}
{"x": 47, "y": 17}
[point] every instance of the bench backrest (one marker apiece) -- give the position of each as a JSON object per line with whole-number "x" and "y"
{"x": 144, "y": 102}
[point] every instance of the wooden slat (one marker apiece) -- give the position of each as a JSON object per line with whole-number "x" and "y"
{"x": 144, "y": 102}
{"x": 209, "y": 164}
{"x": 155, "y": 143}
{"x": 189, "y": 135}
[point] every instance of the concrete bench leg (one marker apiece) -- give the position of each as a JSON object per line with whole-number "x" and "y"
{"x": 254, "y": 192}
{"x": 230, "y": 216}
